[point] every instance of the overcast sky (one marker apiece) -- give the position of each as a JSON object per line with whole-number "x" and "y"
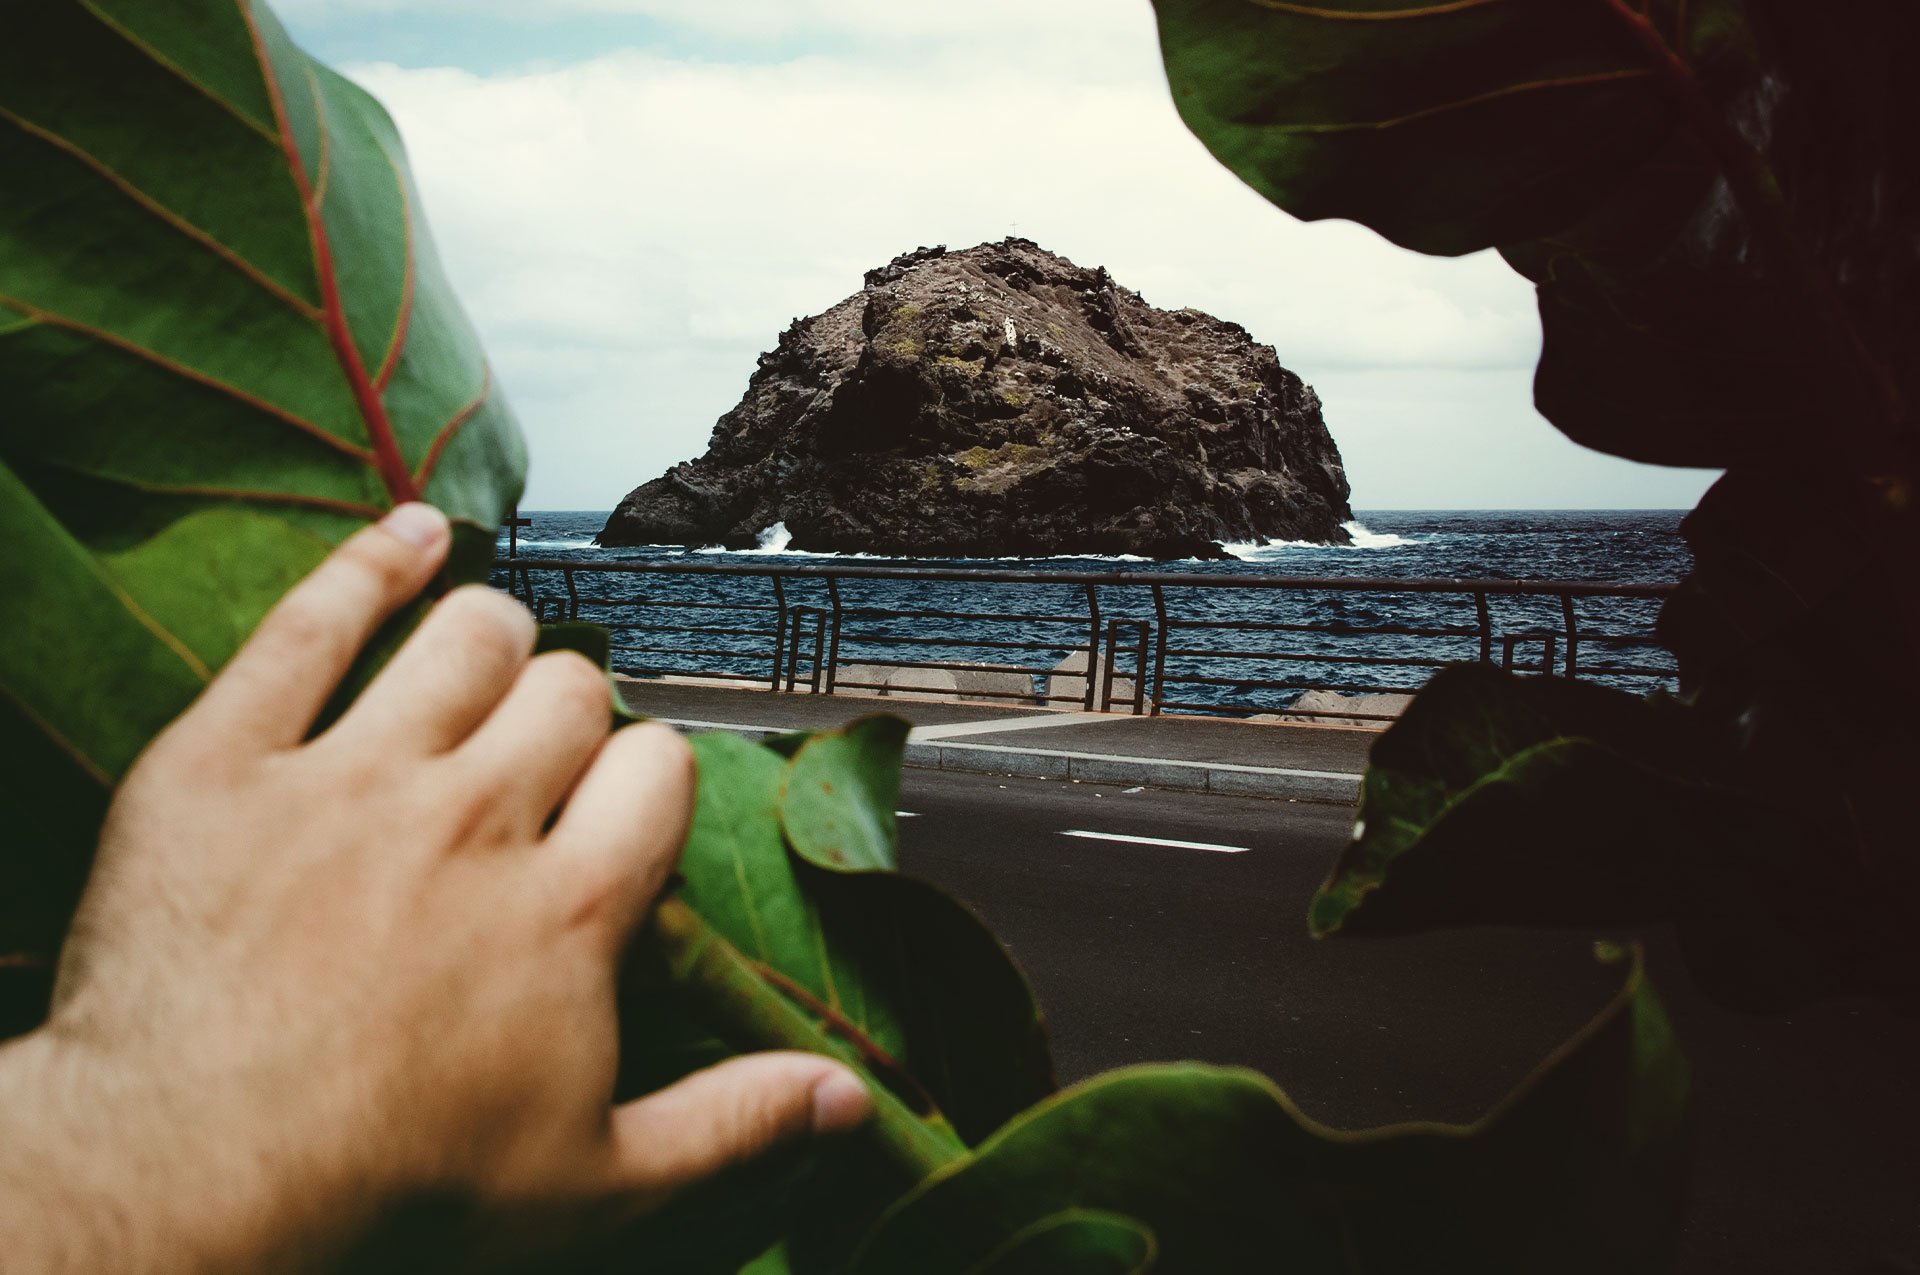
{"x": 634, "y": 197}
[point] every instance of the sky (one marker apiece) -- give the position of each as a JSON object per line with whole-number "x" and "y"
{"x": 634, "y": 198}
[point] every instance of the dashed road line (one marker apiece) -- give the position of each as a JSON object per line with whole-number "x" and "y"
{"x": 1002, "y": 725}
{"x": 1156, "y": 841}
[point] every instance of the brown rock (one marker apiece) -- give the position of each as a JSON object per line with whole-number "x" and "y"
{"x": 1002, "y": 401}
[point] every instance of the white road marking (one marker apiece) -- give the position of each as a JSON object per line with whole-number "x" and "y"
{"x": 906, "y": 814}
{"x": 1000, "y": 725}
{"x": 1156, "y": 841}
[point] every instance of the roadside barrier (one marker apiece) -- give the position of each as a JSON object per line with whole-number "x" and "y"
{"x": 1142, "y": 642}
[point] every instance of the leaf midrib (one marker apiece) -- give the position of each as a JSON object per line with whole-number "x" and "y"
{"x": 383, "y": 454}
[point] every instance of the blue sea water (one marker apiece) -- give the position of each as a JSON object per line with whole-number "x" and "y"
{"x": 659, "y": 614}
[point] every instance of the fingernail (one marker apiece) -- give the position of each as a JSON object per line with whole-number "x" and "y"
{"x": 840, "y": 1102}
{"x": 417, "y": 524}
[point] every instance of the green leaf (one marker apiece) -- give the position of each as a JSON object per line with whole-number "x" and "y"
{"x": 915, "y": 984}
{"x": 1580, "y": 1169}
{"x": 1721, "y": 240}
{"x": 225, "y": 344}
{"x": 1075, "y": 1242}
{"x": 1501, "y": 800}
{"x": 1498, "y": 799}
{"x": 1712, "y": 270}
{"x": 841, "y": 791}
{"x": 1446, "y": 127}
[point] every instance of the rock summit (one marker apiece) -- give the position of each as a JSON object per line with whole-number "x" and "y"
{"x": 999, "y": 402}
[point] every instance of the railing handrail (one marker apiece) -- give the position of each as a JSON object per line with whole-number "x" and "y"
{"x": 1164, "y": 579}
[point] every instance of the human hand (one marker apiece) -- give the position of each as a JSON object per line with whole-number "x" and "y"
{"x": 313, "y": 978}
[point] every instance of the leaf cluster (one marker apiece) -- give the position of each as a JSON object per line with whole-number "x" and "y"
{"x": 1715, "y": 200}
{"x": 225, "y": 344}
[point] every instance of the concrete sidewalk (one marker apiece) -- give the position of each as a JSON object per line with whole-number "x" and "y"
{"x": 1188, "y": 754}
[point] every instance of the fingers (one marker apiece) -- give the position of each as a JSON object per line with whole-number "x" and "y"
{"x": 624, "y": 825}
{"x": 728, "y": 1114}
{"x": 272, "y": 690}
{"x": 448, "y": 677}
{"x": 542, "y": 735}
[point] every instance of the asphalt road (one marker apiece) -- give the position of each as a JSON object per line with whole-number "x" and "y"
{"x": 1810, "y": 1124}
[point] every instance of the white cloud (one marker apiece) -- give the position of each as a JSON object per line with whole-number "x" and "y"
{"x": 631, "y": 230}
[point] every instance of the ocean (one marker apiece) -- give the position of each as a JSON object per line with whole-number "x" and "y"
{"x": 714, "y": 619}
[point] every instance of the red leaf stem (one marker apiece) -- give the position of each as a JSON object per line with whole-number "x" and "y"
{"x": 387, "y": 458}
{"x": 882, "y": 1064}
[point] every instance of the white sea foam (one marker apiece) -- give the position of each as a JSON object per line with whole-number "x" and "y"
{"x": 1362, "y": 539}
{"x": 775, "y": 542}
{"x": 576, "y": 543}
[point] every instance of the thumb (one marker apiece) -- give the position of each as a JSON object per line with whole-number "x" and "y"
{"x": 728, "y": 1114}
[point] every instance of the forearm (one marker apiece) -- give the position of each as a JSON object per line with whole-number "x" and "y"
{"x": 100, "y": 1171}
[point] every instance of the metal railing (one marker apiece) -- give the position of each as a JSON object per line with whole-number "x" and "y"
{"x": 1146, "y": 642}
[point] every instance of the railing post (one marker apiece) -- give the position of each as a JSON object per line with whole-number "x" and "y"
{"x": 1549, "y": 644}
{"x": 779, "y": 628}
{"x": 1140, "y": 671}
{"x": 573, "y": 595}
{"x": 1573, "y": 633}
{"x": 1093, "y": 645}
{"x": 793, "y": 645}
{"x": 833, "y": 648}
{"x": 1106, "y": 677}
{"x": 1486, "y": 630}
{"x": 1160, "y": 650}
{"x": 819, "y": 650}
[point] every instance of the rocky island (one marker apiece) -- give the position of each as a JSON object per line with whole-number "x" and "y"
{"x": 1004, "y": 402}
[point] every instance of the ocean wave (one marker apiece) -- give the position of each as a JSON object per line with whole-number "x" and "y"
{"x": 585, "y": 542}
{"x": 775, "y": 542}
{"x": 1362, "y": 539}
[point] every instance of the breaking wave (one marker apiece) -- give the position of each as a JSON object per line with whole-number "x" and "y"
{"x": 1362, "y": 539}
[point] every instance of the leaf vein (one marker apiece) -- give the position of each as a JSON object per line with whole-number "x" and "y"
{"x": 94, "y": 770}
{"x": 306, "y": 309}
{"x": 245, "y": 495}
{"x": 453, "y": 426}
{"x": 192, "y": 374}
{"x": 385, "y": 452}
{"x": 168, "y": 64}
{"x": 1465, "y": 103}
{"x": 404, "y": 319}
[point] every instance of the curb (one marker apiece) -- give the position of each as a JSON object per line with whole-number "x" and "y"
{"x": 1105, "y": 768}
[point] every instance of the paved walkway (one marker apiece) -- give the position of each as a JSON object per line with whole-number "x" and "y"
{"x": 1191, "y": 754}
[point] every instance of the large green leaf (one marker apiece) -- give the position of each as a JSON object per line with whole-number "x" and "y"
{"x": 225, "y": 343}
{"x": 1446, "y": 127}
{"x": 1500, "y": 800}
{"x": 1578, "y": 1170}
{"x": 1726, "y": 275}
{"x": 911, "y": 979}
